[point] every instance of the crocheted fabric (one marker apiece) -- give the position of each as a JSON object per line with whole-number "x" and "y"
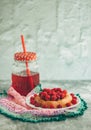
{"x": 16, "y": 111}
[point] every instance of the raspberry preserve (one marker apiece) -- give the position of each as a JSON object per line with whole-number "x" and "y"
{"x": 25, "y": 74}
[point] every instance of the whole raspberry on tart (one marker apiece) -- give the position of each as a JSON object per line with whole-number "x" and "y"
{"x": 53, "y": 98}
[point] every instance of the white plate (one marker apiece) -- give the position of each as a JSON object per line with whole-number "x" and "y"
{"x": 62, "y": 109}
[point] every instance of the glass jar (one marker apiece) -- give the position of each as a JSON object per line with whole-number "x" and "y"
{"x": 25, "y": 74}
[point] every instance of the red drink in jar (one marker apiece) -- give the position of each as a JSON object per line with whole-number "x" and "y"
{"x": 21, "y": 81}
{"x": 22, "y": 84}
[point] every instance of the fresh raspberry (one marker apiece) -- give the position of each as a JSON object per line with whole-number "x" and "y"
{"x": 68, "y": 104}
{"x": 32, "y": 101}
{"x": 46, "y": 89}
{"x": 47, "y": 98}
{"x": 45, "y": 93}
{"x": 42, "y": 95}
{"x": 49, "y": 91}
{"x": 59, "y": 106}
{"x": 64, "y": 91}
{"x": 53, "y": 98}
{"x": 37, "y": 104}
{"x": 44, "y": 106}
{"x": 72, "y": 94}
{"x": 54, "y": 89}
{"x": 32, "y": 98}
{"x": 58, "y": 97}
{"x": 53, "y": 92}
{"x": 59, "y": 89}
{"x": 63, "y": 95}
{"x": 51, "y": 106}
{"x": 58, "y": 93}
{"x": 75, "y": 97}
{"x": 35, "y": 95}
{"x": 74, "y": 101}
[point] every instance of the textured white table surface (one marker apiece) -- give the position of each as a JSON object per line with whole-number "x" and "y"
{"x": 79, "y": 123}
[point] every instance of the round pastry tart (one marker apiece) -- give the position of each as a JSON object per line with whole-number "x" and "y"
{"x": 53, "y": 98}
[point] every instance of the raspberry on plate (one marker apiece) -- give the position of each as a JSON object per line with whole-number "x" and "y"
{"x": 59, "y": 106}
{"x": 74, "y": 101}
{"x": 51, "y": 106}
{"x": 68, "y": 104}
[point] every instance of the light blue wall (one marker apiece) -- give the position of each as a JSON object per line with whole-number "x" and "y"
{"x": 58, "y": 30}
